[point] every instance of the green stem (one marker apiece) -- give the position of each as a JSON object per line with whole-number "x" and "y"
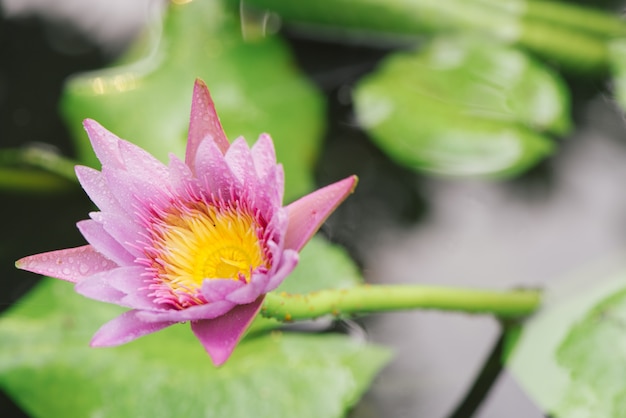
{"x": 378, "y": 298}
{"x": 58, "y": 171}
{"x": 28, "y": 181}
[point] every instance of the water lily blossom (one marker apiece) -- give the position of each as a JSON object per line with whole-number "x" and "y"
{"x": 199, "y": 241}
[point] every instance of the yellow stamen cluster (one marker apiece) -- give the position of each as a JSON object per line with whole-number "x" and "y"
{"x": 204, "y": 242}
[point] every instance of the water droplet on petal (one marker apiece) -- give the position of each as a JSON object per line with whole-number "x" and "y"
{"x": 83, "y": 269}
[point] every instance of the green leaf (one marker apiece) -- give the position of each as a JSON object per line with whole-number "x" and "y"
{"x": 575, "y": 37}
{"x": 322, "y": 265}
{"x": 617, "y": 54}
{"x": 463, "y": 108}
{"x": 570, "y": 357}
{"x": 48, "y": 368}
{"x": 255, "y": 85}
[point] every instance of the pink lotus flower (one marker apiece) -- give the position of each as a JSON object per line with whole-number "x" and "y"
{"x": 201, "y": 241}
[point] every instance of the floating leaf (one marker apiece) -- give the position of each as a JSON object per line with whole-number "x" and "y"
{"x": 575, "y": 37}
{"x": 48, "y": 368}
{"x": 570, "y": 357}
{"x": 463, "y": 108}
{"x": 618, "y": 69}
{"x": 255, "y": 85}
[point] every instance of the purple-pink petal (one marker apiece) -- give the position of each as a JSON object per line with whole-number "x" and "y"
{"x": 204, "y": 124}
{"x": 308, "y": 213}
{"x": 218, "y": 289}
{"x": 213, "y": 171}
{"x": 122, "y": 229}
{"x": 264, "y": 155}
{"x": 72, "y": 264}
{"x": 219, "y": 336}
{"x": 104, "y": 243}
{"x": 105, "y": 144}
{"x": 193, "y": 313}
{"x": 96, "y": 287}
{"x": 97, "y": 189}
{"x": 239, "y": 159}
{"x": 125, "y": 328}
{"x": 288, "y": 262}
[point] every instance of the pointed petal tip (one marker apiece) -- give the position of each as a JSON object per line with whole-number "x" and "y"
{"x": 307, "y": 214}
{"x": 204, "y": 123}
{"x": 220, "y": 336}
{"x": 71, "y": 264}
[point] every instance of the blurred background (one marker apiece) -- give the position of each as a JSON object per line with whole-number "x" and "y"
{"x": 566, "y": 213}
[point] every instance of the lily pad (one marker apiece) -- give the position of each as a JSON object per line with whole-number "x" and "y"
{"x": 256, "y": 87}
{"x": 48, "y": 368}
{"x": 463, "y": 107}
{"x": 570, "y": 357}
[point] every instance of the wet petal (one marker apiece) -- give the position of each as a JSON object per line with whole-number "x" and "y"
{"x": 105, "y": 144}
{"x": 239, "y": 159}
{"x": 104, "y": 243}
{"x": 125, "y": 328}
{"x": 288, "y": 262}
{"x": 213, "y": 171}
{"x": 123, "y": 286}
{"x": 308, "y": 213}
{"x": 181, "y": 179}
{"x": 194, "y": 313}
{"x": 219, "y": 336}
{"x": 97, "y": 189}
{"x": 251, "y": 291}
{"x": 72, "y": 264}
{"x": 264, "y": 155}
{"x": 140, "y": 163}
{"x": 204, "y": 124}
{"x": 217, "y": 289}
{"x": 122, "y": 229}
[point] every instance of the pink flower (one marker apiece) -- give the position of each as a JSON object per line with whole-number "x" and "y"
{"x": 201, "y": 241}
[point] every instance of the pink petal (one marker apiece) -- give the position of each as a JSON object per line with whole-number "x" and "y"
{"x": 308, "y": 213}
{"x": 194, "y": 313}
{"x": 104, "y": 243}
{"x": 182, "y": 182}
{"x": 288, "y": 262}
{"x": 123, "y": 286}
{"x": 97, "y": 189}
{"x": 269, "y": 193}
{"x": 125, "y": 328}
{"x": 72, "y": 264}
{"x": 219, "y": 336}
{"x": 204, "y": 124}
{"x": 122, "y": 229}
{"x": 252, "y": 290}
{"x": 134, "y": 192}
{"x": 213, "y": 171}
{"x": 105, "y": 144}
{"x": 264, "y": 155}
{"x": 239, "y": 159}
{"x": 140, "y": 163}
{"x": 217, "y": 289}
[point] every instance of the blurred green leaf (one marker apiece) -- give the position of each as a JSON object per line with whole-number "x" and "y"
{"x": 48, "y": 368}
{"x": 255, "y": 85}
{"x": 571, "y": 35}
{"x": 322, "y": 265}
{"x": 618, "y": 70}
{"x": 463, "y": 108}
{"x": 570, "y": 357}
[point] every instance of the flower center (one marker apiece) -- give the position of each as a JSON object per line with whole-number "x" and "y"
{"x": 203, "y": 242}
